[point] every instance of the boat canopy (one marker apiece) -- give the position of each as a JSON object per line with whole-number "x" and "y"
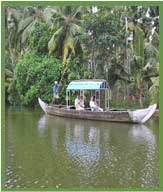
{"x": 88, "y": 84}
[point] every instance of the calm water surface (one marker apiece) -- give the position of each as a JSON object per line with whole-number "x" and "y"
{"x": 53, "y": 152}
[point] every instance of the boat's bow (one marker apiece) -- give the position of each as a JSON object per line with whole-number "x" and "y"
{"x": 142, "y": 115}
{"x": 43, "y": 105}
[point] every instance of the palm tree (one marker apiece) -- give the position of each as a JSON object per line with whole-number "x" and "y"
{"x": 154, "y": 90}
{"x": 13, "y": 16}
{"x": 20, "y": 22}
{"x": 68, "y": 23}
{"x": 144, "y": 48}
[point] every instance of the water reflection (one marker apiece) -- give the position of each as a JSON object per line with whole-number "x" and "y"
{"x": 83, "y": 147}
{"x": 106, "y": 154}
{"x": 42, "y": 125}
{"x": 86, "y": 132}
{"x": 54, "y": 138}
{"x": 143, "y": 135}
{"x": 55, "y": 152}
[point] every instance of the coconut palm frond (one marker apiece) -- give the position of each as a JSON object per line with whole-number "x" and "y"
{"x": 16, "y": 13}
{"x": 75, "y": 29}
{"x": 155, "y": 81}
{"x": 154, "y": 90}
{"x": 47, "y": 15}
{"x": 148, "y": 65}
{"x": 68, "y": 10}
{"x": 151, "y": 50}
{"x": 9, "y": 73}
{"x": 54, "y": 39}
{"x": 68, "y": 45}
{"x": 27, "y": 31}
{"x": 24, "y": 23}
{"x": 68, "y": 25}
{"x": 79, "y": 11}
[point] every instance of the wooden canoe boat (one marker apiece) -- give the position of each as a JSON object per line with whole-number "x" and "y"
{"x": 135, "y": 116}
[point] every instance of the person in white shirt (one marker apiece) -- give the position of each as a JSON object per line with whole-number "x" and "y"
{"x": 79, "y": 105}
{"x": 93, "y": 104}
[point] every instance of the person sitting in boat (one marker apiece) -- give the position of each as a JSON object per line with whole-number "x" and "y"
{"x": 93, "y": 104}
{"x": 55, "y": 93}
{"x": 79, "y": 104}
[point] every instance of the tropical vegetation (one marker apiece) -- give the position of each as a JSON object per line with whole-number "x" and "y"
{"x": 119, "y": 44}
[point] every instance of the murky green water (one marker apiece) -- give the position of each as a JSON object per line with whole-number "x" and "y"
{"x": 54, "y": 152}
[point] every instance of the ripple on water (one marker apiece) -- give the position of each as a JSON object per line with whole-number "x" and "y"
{"x": 9, "y": 181}
{"x": 15, "y": 181}
{"x": 116, "y": 158}
{"x": 42, "y": 186}
{"x": 18, "y": 186}
{"x": 8, "y": 173}
{"x": 5, "y": 185}
{"x": 35, "y": 182}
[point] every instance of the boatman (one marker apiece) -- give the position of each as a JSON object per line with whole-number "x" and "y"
{"x": 55, "y": 93}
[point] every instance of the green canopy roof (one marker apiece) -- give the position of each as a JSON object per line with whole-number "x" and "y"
{"x": 88, "y": 84}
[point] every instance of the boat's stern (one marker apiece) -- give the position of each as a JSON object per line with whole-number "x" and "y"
{"x": 152, "y": 109}
{"x": 142, "y": 115}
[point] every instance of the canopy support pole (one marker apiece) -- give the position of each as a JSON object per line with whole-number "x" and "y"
{"x": 99, "y": 96}
{"x": 108, "y": 96}
{"x": 67, "y": 99}
{"x": 105, "y": 100}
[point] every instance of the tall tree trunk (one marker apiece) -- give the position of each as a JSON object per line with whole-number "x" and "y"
{"x": 126, "y": 91}
{"x": 62, "y": 77}
{"x": 140, "y": 92}
{"x": 93, "y": 64}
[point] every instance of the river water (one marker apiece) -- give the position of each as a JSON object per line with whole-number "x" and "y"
{"x": 53, "y": 152}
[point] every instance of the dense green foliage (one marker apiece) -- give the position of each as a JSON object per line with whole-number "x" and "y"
{"x": 39, "y": 38}
{"x": 35, "y": 73}
{"x": 119, "y": 44}
{"x": 34, "y": 76}
{"x": 104, "y": 38}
